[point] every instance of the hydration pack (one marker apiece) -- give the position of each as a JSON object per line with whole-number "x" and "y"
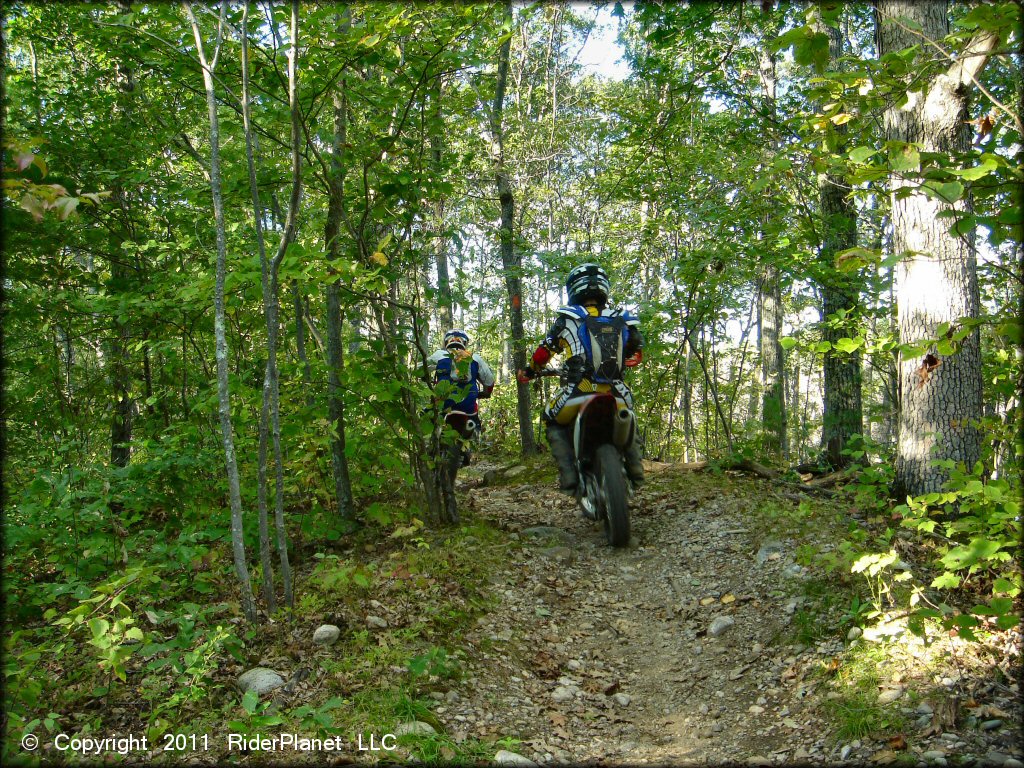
{"x": 461, "y": 370}
{"x": 604, "y": 339}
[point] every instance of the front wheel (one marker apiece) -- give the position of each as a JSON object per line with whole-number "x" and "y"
{"x": 613, "y": 491}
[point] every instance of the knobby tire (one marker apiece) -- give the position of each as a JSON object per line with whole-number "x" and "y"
{"x": 613, "y": 487}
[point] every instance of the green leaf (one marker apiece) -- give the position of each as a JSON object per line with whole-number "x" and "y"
{"x": 948, "y": 192}
{"x": 787, "y": 342}
{"x": 98, "y": 627}
{"x": 861, "y": 154}
{"x": 1004, "y": 586}
{"x": 947, "y": 580}
{"x": 988, "y": 164}
{"x": 905, "y": 160}
{"x": 849, "y": 345}
{"x": 823, "y": 346}
{"x": 250, "y": 701}
{"x": 1009, "y": 621}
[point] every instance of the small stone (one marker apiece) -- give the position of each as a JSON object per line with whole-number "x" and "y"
{"x": 574, "y": 665}
{"x": 376, "y": 621}
{"x": 770, "y": 550}
{"x": 621, "y": 699}
{"x": 854, "y": 633}
{"x": 515, "y": 471}
{"x": 562, "y": 693}
{"x": 845, "y": 751}
{"x": 1012, "y": 762}
{"x": 560, "y": 554}
{"x": 504, "y": 757}
{"x": 414, "y": 728}
{"x": 924, "y": 708}
{"x": 755, "y": 710}
{"x": 932, "y": 754}
{"x": 326, "y": 634}
{"x": 260, "y": 680}
{"x": 890, "y": 695}
{"x": 719, "y": 625}
{"x": 451, "y": 696}
{"x": 991, "y": 725}
{"x": 758, "y": 760}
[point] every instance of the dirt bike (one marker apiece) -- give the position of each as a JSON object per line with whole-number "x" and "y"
{"x": 451, "y": 454}
{"x": 603, "y": 430}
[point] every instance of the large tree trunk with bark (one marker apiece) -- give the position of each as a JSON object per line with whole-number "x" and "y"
{"x": 843, "y": 415}
{"x": 936, "y": 279}
{"x": 773, "y": 379}
{"x": 511, "y": 260}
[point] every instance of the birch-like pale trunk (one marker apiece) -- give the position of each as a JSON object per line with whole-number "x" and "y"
{"x": 270, "y": 410}
{"x": 936, "y": 278}
{"x": 219, "y": 321}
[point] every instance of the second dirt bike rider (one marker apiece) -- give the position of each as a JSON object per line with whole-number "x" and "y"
{"x": 597, "y": 340}
{"x": 470, "y": 375}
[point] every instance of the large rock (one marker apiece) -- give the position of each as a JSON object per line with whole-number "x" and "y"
{"x": 260, "y": 680}
{"x": 326, "y": 634}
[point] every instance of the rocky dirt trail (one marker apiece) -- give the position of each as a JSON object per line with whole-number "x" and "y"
{"x": 680, "y": 649}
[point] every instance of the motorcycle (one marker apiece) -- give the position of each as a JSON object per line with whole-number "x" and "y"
{"x": 451, "y": 454}
{"x": 603, "y": 431}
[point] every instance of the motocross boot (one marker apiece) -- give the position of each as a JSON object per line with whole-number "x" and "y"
{"x": 561, "y": 449}
{"x": 634, "y": 465}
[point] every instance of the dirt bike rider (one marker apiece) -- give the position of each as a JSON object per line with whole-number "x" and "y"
{"x": 469, "y": 374}
{"x": 591, "y": 366}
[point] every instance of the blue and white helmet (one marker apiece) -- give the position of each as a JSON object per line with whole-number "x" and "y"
{"x": 587, "y": 281}
{"x": 456, "y": 339}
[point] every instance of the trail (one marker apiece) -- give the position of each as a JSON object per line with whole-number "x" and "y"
{"x": 602, "y": 655}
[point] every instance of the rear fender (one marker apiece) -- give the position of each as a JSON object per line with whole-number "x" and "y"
{"x": 595, "y": 424}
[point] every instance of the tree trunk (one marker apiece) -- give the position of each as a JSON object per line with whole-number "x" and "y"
{"x": 120, "y": 280}
{"x": 219, "y": 329}
{"x": 936, "y": 280}
{"x": 444, "y": 289}
{"x": 511, "y": 259}
{"x": 842, "y": 415}
{"x": 773, "y": 401}
{"x": 335, "y": 351}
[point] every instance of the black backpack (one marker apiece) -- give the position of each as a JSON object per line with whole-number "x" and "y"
{"x": 604, "y": 343}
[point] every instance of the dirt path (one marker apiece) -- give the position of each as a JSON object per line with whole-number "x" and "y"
{"x": 616, "y": 656}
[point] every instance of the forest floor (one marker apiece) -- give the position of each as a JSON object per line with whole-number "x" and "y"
{"x": 714, "y": 638}
{"x": 727, "y": 632}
